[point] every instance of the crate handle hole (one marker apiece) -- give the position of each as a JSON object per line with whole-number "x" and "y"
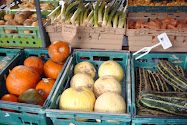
{"x": 176, "y": 61}
{"x": 20, "y": 42}
{"x": 33, "y": 55}
{"x": 12, "y": 36}
{"x": 26, "y": 37}
{"x": 2, "y": 54}
{"x": 19, "y": 36}
{"x": 14, "y": 41}
{"x": 156, "y": 60}
{"x": 84, "y": 58}
{"x": 100, "y": 58}
{"x": 7, "y": 41}
{"x": 1, "y": 41}
{"x": 27, "y": 42}
{"x": 117, "y": 59}
{"x": 150, "y": 33}
{"x": 33, "y": 37}
{"x": 34, "y": 42}
{"x": 6, "y": 36}
{"x": 27, "y": 123}
{"x": 34, "y": 124}
{"x": 141, "y": 60}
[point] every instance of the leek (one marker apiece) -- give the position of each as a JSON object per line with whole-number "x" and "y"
{"x": 100, "y": 12}
{"x": 122, "y": 18}
{"x": 77, "y": 12}
{"x": 70, "y": 7}
{"x": 96, "y": 13}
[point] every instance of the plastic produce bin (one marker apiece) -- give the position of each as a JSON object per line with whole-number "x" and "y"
{"x": 96, "y": 57}
{"x": 25, "y": 113}
{"x": 150, "y": 61}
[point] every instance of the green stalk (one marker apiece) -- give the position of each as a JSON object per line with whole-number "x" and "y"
{"x": 86, "y": 13}
{"x": 77, "y": 22}
{"x": 57, "y": 14}
{"x": 67, "y": 20}
{"x": 71, "y": 6}
{"x": 106, "y": 12}
{"x": 90, "y": 23}
{"x": 100, "y": 12}
{"x": 81, "y": 18}
{"x": 109, "y": 22}
{"x": 52, "y": 14}
{"x": 77, "y": 12}
{"x": 119, "y": 12}
{"x": 96, "y": 13}
{"x": 63, "y": 11}
{"x": 122, "y": 18}
{"x": 89, "y": 17}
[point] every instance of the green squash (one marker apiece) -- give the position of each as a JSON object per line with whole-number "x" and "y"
{"x": 31, "y": 96}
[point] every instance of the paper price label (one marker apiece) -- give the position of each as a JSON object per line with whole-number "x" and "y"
{"x": 68, "y": 32}
{"x": 164, "y": 40}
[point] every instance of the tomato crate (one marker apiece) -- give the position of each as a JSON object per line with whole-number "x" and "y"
{"x": 19, "y": 39}
{"x": 25, "y": 113}
{"x": 149, "y": 62}
{"x": 96, "y": 57}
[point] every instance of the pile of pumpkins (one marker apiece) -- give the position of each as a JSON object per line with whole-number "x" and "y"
{"x": 103, "y": 95}
{"x": 24, "y": 82}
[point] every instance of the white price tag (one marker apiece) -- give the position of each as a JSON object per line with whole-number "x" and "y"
{"x": 164, "y": 40}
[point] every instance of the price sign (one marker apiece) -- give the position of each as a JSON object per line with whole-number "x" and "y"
{"x": 164, "y": 40}
{"x": 68, "y": 32}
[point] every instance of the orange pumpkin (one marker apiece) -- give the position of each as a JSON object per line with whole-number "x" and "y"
{"x": 45, "y": 86}
{"x": 52, "y": 69}
{"x": 58, "y": 51}
{"x": 21, "y": 78}
{"x": 11, "y": 98}
{"x": 35, "y": 62}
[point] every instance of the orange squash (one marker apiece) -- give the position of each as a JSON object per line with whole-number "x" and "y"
{"x": 58, "y": 51}
{"x": 45, "y": 86}
{"x": 35, "y": 62}
{"x": 11, "y": 98}
{"x": 52, "y": 69}
{"x": 21, "y": 78}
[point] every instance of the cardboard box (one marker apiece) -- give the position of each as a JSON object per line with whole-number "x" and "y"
{"x": 91, "y": 37}
{"x": 137, "y": 39}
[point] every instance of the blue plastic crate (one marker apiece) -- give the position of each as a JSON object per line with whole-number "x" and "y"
{"x": 25, "y": 113}
{"x": 96, "y": 57}
{"x": 150, "y": 61}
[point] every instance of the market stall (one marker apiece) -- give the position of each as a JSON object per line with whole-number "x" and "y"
{"x": 63, "y": 62}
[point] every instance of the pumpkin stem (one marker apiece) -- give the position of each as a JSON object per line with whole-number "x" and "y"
{"x": 41, "y": 92}
{"x": 46, "y": 80}
{"x": 61, "y": 49}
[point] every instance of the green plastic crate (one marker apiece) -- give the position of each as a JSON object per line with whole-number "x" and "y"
{"x": 11, "y": 53}
{"x": 25, "y": 113}
{"x": 96, "y": 57}
{"x": 21, "y": 39}
{"x": 150, "y": 61}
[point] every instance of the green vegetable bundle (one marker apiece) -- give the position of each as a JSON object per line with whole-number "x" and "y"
{"x": 95, "y": 14}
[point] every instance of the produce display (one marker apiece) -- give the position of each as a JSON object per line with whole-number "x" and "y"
{"x": 33, "y": 81}
{"x": 162, "y": 92}
{"x": 103, "y": 95}
{"x": 166, "y": 23}
{"x": 21, "y": 18}
{"x": 155, "y": 3}
{"x": 30, "y": 5}
{"x": 97, "y": 14}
